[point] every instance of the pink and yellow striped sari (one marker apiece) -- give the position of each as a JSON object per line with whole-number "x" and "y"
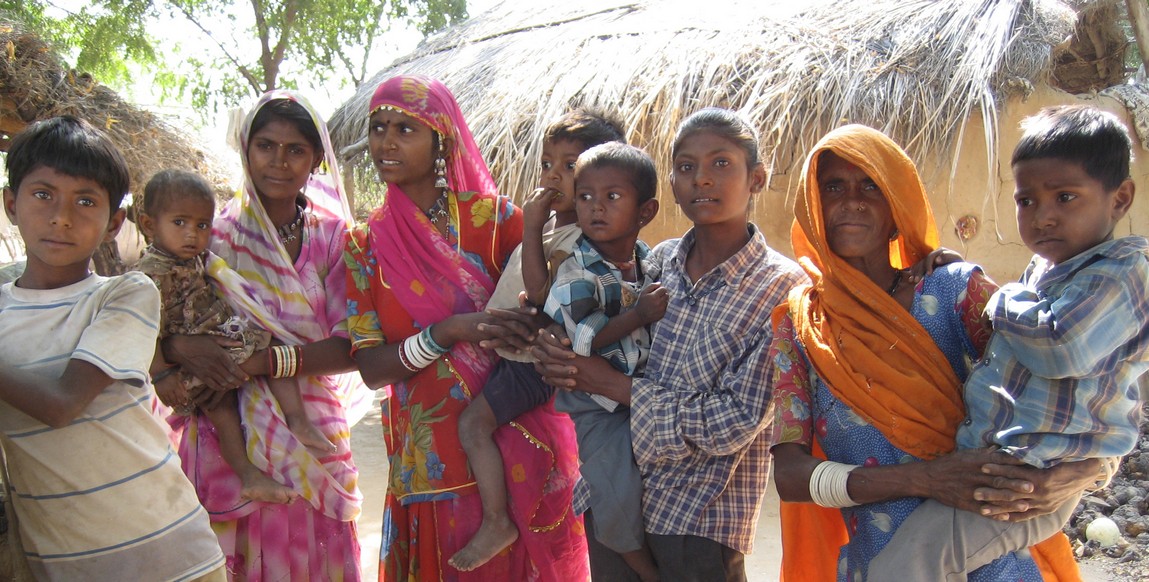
{"x": 300, "y": 302}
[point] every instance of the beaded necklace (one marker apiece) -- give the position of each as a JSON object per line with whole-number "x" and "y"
{"x": 288, "y": 232}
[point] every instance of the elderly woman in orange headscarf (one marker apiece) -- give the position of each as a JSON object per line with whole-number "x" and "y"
{"x": 869, "y": 368}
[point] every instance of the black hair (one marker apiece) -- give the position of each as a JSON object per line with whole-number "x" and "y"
{"x": 724, "y": 123}
{"x": 167, "y": 186}
{"x": 291, "y": 112}
{"x": 70, "y": 146}
{"x": 627, "y": 158}
{"x": 590, "y": 127}
{"x": 1086, "y": 135}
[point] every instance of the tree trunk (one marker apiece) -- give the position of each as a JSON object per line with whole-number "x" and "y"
{"x": 107, "y": 260}
{"x": 1094, "y": 57}
{"x": 1139, "y": 16}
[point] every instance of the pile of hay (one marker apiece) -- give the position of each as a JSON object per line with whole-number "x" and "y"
{"x": 34, "y": 85}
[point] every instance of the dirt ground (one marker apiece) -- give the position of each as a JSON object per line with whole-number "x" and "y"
{"x": 371, "y": 457}
{"x": 367, "y": 447}
{"x": 761, "y": 565}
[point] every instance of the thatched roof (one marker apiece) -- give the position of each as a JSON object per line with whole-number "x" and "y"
{"x": 35, "y": 85}
{"x": 915, "y": 69}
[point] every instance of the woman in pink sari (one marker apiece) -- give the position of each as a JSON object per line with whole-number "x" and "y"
{"x": 278, "y": 246}
{"x": 420, "y": 273}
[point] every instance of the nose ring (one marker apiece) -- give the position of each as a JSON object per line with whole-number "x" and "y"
{"x": 861, "y": 207}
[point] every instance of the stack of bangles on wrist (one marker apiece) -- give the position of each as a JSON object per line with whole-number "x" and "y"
{"x": 420, "y": 350}
{"x": 828, "y": 484}
{"x": 285, "y": 361}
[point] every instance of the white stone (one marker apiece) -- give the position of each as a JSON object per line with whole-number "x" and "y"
{"x": 1103, "y": 531}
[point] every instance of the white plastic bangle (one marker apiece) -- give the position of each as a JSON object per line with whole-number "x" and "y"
{"x": 828, "y": 484}
{"x": 417, "y": 355}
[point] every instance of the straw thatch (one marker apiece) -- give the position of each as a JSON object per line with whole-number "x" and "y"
{"x": 35, "y": 85}
{"x": 917, "y": 70}
{"x": 1094, "y": 59}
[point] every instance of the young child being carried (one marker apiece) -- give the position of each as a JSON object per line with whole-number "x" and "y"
{"x": 178, "y": 210}
{"x": 605, "y": 300}
{"x": 99, "y": 491}
{"x": 550, "y": 231}
{"x": 1059, "y": 378}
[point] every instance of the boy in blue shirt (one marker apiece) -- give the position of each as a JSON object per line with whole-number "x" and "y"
{"x": 606, "y": 300}
{"x": 1058, "y": 380}
{"x": 550, "y": 231}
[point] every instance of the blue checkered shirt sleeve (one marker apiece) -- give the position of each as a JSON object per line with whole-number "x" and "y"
{"x": 1059, "y": 379}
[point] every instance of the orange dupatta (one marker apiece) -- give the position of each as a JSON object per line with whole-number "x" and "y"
{"x": 873, "y": 355}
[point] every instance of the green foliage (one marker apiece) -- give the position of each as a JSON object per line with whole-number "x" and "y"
{"x": 252, "y": 46}
{"x": 327, "y": 41}
{"x": 102, "y": 38}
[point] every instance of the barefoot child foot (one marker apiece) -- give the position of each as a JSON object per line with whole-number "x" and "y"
{"x": 309, "y": 435}
{"x": 493, "y": 536}
{"x": 259, "y": 487}
{"x": 286, "y": 392}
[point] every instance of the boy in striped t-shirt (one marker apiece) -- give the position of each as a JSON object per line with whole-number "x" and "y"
{"x": 97, "y": 488}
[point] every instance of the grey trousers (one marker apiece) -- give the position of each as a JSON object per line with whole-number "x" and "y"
{"x": 938, "y": 542}
{"x": 608, "y": 470}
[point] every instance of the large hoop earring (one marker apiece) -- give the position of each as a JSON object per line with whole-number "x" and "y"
{"x": 440, "y": 164}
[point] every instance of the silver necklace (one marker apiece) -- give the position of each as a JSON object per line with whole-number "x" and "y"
{"x": 290, "y": 231}
{"x": 438, "y": 210}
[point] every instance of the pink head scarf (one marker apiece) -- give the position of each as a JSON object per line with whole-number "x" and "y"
{"x": 431, "y": 278}
{"x": 432, "y": 103}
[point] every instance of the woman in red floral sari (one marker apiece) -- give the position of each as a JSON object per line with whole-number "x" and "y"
{"x": 420, "y": 272}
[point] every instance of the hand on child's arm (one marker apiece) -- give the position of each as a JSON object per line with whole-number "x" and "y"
{"x": 950, "y": 479}
{"x": 1020, "y": 491}
{"x": 554, "y": 354}
{"x": 203, "y": 356}
{"x": 652, "y": 303}
{"x": 563, "y": 368}
{"x": 259, "y": 364}
{"x": 940, "y": 257}
{"x": 513, "y": 329}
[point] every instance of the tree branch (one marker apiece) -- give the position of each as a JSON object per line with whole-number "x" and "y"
{"x": 243, "y": 70}
{"x": 271, "y": 67}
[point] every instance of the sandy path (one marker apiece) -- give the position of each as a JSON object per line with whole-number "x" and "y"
{"x": 371, "y": 457}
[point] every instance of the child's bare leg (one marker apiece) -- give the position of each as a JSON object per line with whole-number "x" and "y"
{"x": 286, "y": 392}
{"x": 642, "y": 562}
{"x": 476, "y": 425}
{"x": 255, "y": 485}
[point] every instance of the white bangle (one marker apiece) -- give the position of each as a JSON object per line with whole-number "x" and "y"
{"x": 828, "y": 484}
{"x": 417, "y": 355}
